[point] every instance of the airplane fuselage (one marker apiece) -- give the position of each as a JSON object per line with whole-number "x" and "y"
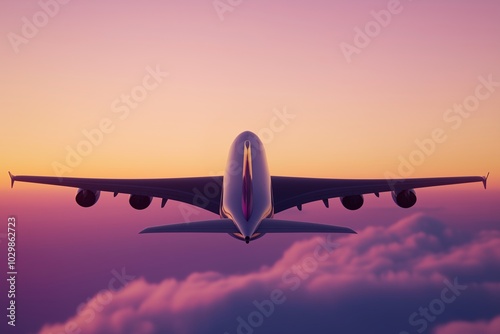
{"x": 246, "y": 189}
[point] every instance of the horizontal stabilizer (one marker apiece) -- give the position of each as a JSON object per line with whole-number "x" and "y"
{"x": 206, "y": 226}
{"x": 271, "y": 225}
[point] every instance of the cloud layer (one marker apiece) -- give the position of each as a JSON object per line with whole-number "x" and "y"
{"x": 477, "y": 327}
{"x": 406, "y": 278}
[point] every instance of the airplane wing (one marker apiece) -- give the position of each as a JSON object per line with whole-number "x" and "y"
{"x": 295, "y": 191}
{"x": 203, "y": 192}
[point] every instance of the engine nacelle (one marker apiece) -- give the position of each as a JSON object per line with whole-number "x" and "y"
{"x": 352, "y": 202}
{"x": 405, "y": 198}
{"x": 140, "y": 202}
{"x": 87, "y": 198}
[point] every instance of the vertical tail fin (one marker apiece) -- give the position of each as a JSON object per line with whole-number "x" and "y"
{"x": 247, "y": 201}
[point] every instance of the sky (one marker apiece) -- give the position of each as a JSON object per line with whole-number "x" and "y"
{"x": 340, "y": 89}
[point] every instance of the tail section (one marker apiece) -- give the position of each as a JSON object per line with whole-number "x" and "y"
{"x": 246, "y": 199}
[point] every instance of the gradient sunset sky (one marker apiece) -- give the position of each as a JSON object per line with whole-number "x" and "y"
{"x": 278, "y": 69}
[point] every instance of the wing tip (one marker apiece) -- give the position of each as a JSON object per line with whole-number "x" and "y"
{"x": 12, "y": 179}
{"x": 348, "y": 230}
{"x": 485, "y": 179}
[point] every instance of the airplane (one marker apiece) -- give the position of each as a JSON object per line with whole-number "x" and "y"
{"x": 247, "y": 197}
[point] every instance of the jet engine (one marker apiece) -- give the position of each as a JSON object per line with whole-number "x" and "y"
{"x": 405, "y": 199}
{"x": 140, "y": 202}
{"x": 87, "y": 198}
{"x": 352, "y": 202}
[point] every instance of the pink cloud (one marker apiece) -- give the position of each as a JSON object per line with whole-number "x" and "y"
{"x": 411, "y": 258}
{"x": 463, "y": 327}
